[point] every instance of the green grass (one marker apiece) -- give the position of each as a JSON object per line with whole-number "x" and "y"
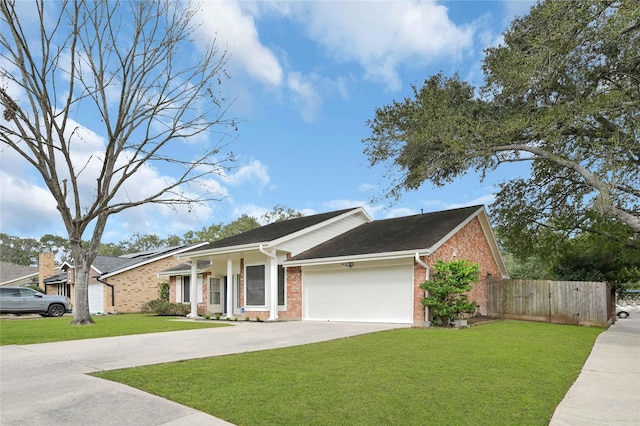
{"x": 507, "y": 373}
{"x": 25, "y": 331}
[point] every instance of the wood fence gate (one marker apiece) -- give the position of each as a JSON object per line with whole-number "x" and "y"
{"x": 558, "y": 302}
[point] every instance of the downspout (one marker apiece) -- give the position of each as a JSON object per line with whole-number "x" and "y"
{"x": 273, "y": 274}
{"x": 113, "y": 291}
{"x": 427, "y": 322}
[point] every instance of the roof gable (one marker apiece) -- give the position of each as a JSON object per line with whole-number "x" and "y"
{"x": 105, "y": 266}
{"x": 409, "y": 233}
{"x": 274, "y": 231}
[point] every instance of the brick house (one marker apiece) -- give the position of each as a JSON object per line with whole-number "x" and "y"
{"x": 119, "y": 284}
{"x": 336, "y": 266}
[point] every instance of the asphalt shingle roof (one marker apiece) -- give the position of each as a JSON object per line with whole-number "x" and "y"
{"x": 110, "y": 264}
{"x": 417, "y": 232}
{"x": 273, "y": 231}
{"x": 11, "y": 271}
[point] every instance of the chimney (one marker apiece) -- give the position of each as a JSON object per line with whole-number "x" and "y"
{"x": 46, "y": 268}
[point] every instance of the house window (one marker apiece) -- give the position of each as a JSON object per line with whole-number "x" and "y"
{"x": 255, "y": 285}
{"x": 64, "y": 290}
{"x": 280, "y": 285}
{"x": 214, "y": 291}
{"x": 186, "y": 288}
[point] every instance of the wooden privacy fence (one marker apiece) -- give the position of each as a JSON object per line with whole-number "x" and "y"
{"x": 559, "y": 302}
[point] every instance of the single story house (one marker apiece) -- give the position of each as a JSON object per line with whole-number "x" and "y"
{"x": 12, "y": 274}
{"x": 120, "y": 284}
{"x": 336, "y": 266}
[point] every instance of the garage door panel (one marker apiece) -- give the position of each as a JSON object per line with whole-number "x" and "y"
{"x": 96, "y": 298}
{"x": 359, "y": 294}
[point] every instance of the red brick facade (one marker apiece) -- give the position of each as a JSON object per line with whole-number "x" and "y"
{"x": 469, "y": 243}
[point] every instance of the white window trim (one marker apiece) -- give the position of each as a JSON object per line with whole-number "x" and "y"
{"x": 263, "y": 307}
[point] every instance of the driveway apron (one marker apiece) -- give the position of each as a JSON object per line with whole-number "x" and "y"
{"x": 47, "y": 384}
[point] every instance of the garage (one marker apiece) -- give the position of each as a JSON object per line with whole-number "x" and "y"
{"x": 359, "y": 293}
{"x": 96, "y": 298}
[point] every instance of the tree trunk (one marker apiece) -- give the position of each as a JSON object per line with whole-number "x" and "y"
{"x": 81, "y": 315}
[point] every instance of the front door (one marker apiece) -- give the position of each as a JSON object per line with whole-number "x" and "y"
{"x": 216, "y": 295}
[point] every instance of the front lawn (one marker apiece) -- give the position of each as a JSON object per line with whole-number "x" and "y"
{"x": 506, "y": 372}
{"x": 25, "y": 331}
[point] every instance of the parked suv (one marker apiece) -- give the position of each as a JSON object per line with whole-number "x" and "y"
{"x": 22, "y": 300}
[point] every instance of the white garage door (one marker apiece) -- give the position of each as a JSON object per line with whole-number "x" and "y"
{"x": 96, "y": 298}
{"x": 382, "y": 294}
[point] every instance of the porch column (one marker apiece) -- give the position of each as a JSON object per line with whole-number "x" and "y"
{"x": 273, "y": 282}
{"x": 193, "y": 289}
{"x": 229, "y": 289}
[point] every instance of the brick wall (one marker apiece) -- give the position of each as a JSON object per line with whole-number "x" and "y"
{"x": 46, "y": 267}
{"x": 135, "y": 287}
{"x": 294, "y": 294}
{"x": 471, "y": 244}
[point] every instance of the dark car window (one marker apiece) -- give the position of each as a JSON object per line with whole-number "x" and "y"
{"x": 9, "y": 292}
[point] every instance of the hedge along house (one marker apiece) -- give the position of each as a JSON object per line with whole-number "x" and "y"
{"x": 119, "y": 284}
{"x": 337, "y": 266}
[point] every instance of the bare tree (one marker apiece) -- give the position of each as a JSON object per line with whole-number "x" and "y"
{"x": 131, "y": 67}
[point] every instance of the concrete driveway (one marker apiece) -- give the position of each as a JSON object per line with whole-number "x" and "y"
{"x": 46, "y": 384}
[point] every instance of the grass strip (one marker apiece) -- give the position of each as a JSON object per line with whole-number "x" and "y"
{"x": 25, "y": 331}
{"x": 506, "y": 372}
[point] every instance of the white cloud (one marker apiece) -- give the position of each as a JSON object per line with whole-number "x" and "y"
{"x": 232, "y": 25}
{"x": 26, "y": 209}
{"x": 485, "y": 199}
{"x": 436, "y": 204}
{"x": 250, "y": 210}
{"x": 254, "y": 172}
{"x": 305, "y": 95}
{"x": 400, "y": 212}
{"x": 367, "y": 187}
{"x": 381, "y": 36}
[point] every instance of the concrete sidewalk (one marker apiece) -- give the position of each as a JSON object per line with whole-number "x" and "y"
{"x": 46, "y": 384}
{"x": 607, "y": 391}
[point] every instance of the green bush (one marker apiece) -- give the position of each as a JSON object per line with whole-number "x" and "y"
{"x": 446, "y": 290}
{"x": 165, "y": 308}
{"x": 164, "y": 291}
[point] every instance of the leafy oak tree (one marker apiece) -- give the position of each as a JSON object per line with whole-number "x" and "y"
{"x": 153, "y": 97}
{"x": 561, "y": 93}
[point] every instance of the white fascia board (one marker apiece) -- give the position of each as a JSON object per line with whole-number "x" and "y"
{"x": 358, "y": 258}
{"x": 493, "y": 245}
{"x": 180, "y": 273}
{"x": 220, "y": 251}
{"x": 153, "y": 259}
{"x": 25, "y": 277}
{"x": 322, "y": 225}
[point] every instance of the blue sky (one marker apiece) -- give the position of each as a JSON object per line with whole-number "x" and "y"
{"x": 306, "y": 76}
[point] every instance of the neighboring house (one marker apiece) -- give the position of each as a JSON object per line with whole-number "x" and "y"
{"x": 119, "y": 284}
{"x": 12, "y": 274}
{"x": 336, "y": 266}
